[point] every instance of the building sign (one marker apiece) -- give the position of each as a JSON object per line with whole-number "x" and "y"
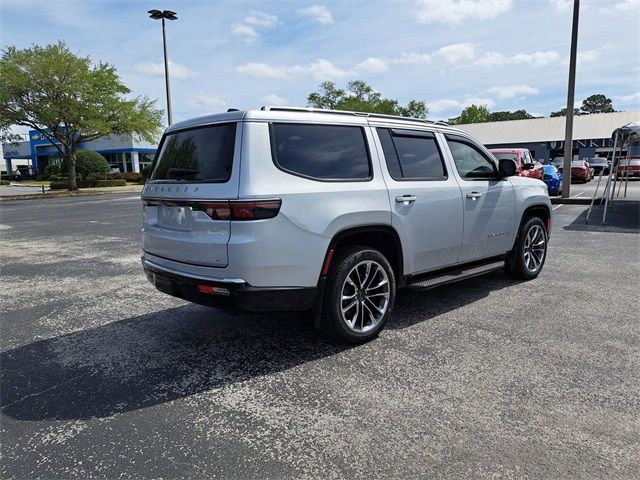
{"x": 593, "y": 143}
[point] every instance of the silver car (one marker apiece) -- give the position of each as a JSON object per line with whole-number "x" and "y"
{"x": 331, "y": 212}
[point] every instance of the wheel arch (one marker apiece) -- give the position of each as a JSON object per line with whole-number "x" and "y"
{"x": 383, "y": 238}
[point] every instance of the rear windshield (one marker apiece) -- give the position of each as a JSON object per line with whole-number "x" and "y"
{"x": 203, "y": 154}
{"x": 506, "y": 156}
{"x": 597, "y": 161}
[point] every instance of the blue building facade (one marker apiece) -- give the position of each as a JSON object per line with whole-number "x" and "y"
{"x": 122, "y": 152}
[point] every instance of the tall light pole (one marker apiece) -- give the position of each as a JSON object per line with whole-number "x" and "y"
{"x": 568, "y": 133}
{"x": 162, "y": 15}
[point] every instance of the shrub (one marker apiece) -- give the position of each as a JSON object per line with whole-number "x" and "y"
{"x": 88, "y": 162}
{"x": 5, "y": 182}
{"x": 131, "y": 176}
{"x": 51, "y": 171}
{"x": 110, "y": 183}
{"x": 59, "y": 185}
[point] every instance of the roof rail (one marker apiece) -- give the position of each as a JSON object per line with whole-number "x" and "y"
{"x": 274, "y": 108}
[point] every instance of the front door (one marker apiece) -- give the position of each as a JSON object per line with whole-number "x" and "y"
{"x": 425, "y": 199}
{"x": 489, "y": 202}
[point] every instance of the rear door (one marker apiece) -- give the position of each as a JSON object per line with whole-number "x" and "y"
{"x": 194, "y": 168}
{"x": 489, "y": 202}
{"x": 425, "y": 199}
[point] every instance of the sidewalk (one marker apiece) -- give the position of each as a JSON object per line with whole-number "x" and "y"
{"x": 25, "y": 192}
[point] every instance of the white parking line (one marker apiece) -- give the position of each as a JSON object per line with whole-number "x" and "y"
{"x": 577, "y": 195}
{"x": 557, "y": 206}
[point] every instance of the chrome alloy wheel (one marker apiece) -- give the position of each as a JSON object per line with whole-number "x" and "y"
{"x": 535, "y": 248}
{"x": 365, "y": 296}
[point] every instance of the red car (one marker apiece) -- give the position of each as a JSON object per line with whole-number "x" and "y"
{"x": 523, "y": 159}
{"x": 581, "y": 171}
{"x": 632, "y": 171}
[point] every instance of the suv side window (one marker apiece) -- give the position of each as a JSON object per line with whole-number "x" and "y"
{"x": 412, "y": 154}
{"x": 470, "y": 162}
{"x": 321, "y": 152}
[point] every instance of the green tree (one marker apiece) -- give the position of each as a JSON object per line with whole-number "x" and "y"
{"x": 69, "y": 100}
{"x": 597, "y": 103}
{"x": 361, "y": 97}
{"x": 472, "y": 114}
{"x": 563, "y": 112}
{"x": 507, "y": 115}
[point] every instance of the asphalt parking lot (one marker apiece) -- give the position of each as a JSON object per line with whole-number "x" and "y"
{"x": 104, "y": 377}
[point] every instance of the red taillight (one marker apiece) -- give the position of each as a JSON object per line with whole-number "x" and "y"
{"x": 210, "y": 289}
{"x": 240, "y": 209}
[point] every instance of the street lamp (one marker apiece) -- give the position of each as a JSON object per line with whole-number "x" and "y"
{"x": 162, "y": 15}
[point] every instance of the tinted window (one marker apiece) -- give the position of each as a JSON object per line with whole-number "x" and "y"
{"x": 411, "y": 155}
{"x": 326, "y": 152}
{"x": 200, "y": 154}
{"x": 469, "y": 161}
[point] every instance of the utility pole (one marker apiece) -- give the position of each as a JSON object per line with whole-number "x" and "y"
{"x": 169, "y": 15}
{"x": 568, "y": 134}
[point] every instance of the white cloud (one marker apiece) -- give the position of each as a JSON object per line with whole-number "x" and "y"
{"x": 373, "y": 65}
{"x": 512, "y": 90}
{"x": 442, "y": 105}
{"x": 413, "y": 58}
{"x": 632, "y": 98}
{"x": 320, "y": 69}
{"x": 458, "y": 52}
{"x": 261, "y": 19}
{"x": 627, "y": 6}
{"x": 487, "y": 102}
{"x": 589, "y": 55}
{"x": 157, "y": 69}
{"x": 454, "y": 12}
{"x": 245, "y": 32}
{"x": 561, "y": 5}
{"x": 319, "y": 13}
{"x": 536, "y": 59}
{"x": 207, "y": 101}
{"x": 274, "y": 99}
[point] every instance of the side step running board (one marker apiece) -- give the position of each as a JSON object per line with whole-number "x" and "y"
{"x": 454, "y": 276}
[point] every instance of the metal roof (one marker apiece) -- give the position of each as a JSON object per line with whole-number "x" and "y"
{"x": 585, "y": 127}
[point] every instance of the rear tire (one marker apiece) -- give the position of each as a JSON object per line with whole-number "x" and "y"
{"x": 360, "y": 294}
{"x": 529, "y": 253}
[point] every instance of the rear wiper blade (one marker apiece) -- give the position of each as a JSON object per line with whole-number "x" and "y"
{"x": 181, "y": 172}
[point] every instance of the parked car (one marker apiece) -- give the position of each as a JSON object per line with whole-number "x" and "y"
{"x": 580, "y": 171}
{"x": 599, "y": 165}
{"x": 552, "y": 177}
{"x": 527, "y": 167}
{"x": 332, "y": 212}
{"x": 592, "y": 172}
{"x": 632, "y": 170}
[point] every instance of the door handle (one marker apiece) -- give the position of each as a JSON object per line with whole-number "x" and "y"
{"x": 406, "y": 199}
{"x": 474, "y": 195}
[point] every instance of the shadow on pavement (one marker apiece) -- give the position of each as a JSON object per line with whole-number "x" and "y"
{"x": 159, "y": 357}
{"x": 623, "y": 216}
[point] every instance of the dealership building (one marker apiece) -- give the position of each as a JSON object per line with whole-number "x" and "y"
{"x": 544, "y": 137}
{"x": 35, "y": 152}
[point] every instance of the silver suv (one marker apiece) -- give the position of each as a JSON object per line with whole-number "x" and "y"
{"x": 331, "y": 212}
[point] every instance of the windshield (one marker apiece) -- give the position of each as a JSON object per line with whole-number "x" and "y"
{"x": 506, "y": 156}
{"x": 597, "y": 161}
{"x": 203, "y": 154}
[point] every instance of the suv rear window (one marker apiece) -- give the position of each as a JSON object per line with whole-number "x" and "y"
{"x": 322, "y": 152}
{"x": 203, "y": 154}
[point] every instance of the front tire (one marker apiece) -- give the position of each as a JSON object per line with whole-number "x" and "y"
{"x": 529, "y": 253}
{"x": 360, "y": 295}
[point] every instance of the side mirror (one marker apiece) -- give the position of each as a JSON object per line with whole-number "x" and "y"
{"x": 507, "y": 168}
{"x": 528, "y": 166}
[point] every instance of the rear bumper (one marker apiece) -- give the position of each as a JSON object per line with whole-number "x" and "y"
{"x": 231, "y": 292}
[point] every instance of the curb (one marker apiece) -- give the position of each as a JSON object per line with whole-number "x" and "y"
{"x": 66, "y": 193}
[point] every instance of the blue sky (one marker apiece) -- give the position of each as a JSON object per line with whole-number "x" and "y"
{"x": 244, "y": 54}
